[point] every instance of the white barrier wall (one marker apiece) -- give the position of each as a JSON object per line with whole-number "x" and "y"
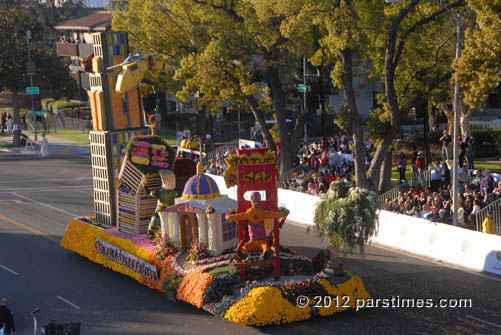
{"x": 300, "y": 205}
{"x": 439, "y": 241}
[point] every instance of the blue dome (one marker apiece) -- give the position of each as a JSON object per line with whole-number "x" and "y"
{"x": 200, "y": 187}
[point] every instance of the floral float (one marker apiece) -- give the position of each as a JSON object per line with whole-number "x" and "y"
{"x": 213, "y": 283}
{"x": 284, "y": 290}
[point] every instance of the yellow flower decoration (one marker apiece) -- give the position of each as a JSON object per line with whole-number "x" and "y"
{"x": 158, "y": 146}
{"x": 263, "y": 306}
{"x": 80, "y": 237}
{"x": 140, "y": 160}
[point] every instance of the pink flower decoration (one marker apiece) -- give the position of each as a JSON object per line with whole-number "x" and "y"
{"x": 162, "y": 153}
{"x": 160, "y": 164}
{"x": 141, "y": 154}
{"x": 142, "y": 144}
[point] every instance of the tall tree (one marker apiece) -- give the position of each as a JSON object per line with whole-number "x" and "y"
{"x": 479, "y": 68}
{"x": 367, "y": 38}
{"x": 226, "y": 50}
{"x": 15, "y": 21}
{"x": 410, "y": 66}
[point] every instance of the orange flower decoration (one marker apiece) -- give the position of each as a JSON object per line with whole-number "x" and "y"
{"x": 193, "y": 287}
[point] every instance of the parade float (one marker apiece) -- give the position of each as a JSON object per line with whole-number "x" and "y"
{"x": 198, "y": 245}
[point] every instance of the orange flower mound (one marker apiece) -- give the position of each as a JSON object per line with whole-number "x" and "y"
{"x": 193, "y": 287}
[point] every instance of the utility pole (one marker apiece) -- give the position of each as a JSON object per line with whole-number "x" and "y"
{"x": 456, "y": 124}
{"x": 239, "y": 125}
{"x": 305, "y": 106}
{"x": 322, "y": 104}
{"x": 28, "y": 38}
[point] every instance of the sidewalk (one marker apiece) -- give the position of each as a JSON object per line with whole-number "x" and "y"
{"x": 57, "y": 146}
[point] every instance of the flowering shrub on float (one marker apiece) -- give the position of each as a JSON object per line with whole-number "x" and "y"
{"x": 309, "y": 288}
{"x": 197, "y": 252}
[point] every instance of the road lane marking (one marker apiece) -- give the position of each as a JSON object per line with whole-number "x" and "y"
{"x": 10, "y": 270}
{"x": 68, "y": 302}
{"x": 86, "y": 193}
{"x": 31, "y": 229}
{"x": 30, "y": 189}
{"x": 483, "y": 321}
{"x": 37, "y": 215}
{"x": 37, "y": 180}
{"x": 46, "y": 205}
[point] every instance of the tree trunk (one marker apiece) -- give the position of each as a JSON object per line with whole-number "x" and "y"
{"x": 288, "y": 144}
{"x": 449, "y": 114}
{"x": 334, "y": 267}
{"x": 201, "y": 123}
{"x": 162, "y": 107}
{"x": 464, "y": 120}
{"x": 385, "y": 174}
{"x": 358, "y": 136}
{"x": 258, "y": 115}
{"x": 15, "y": 133}
{"x": 392, "y": 58}
{"x": 334, "y": 255}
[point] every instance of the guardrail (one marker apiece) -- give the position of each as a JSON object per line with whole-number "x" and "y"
{"x": 289, "y": 174}
{"x": 405, "y": 186}
{"x": 221, "y": 149}
{"x": 495, "y": 208}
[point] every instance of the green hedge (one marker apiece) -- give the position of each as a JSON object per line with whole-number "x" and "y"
{"x": 46, "y": 102}
{"x": 67, "y": 106}
{"x": 487, "y": 142}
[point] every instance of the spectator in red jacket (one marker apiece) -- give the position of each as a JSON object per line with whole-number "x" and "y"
{"x": 421, "y": 167}
{"x": 314, "y": 163}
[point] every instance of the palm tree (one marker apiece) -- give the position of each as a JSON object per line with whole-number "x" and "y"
{"x": 345, "y": 216}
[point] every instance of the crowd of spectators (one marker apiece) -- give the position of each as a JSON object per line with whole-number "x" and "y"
{"x": 320, "y": 164}
{"x": 217, "y": 165}
{"x": 435, "y": 202}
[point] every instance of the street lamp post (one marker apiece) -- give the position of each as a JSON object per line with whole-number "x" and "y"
{"x": 239, "y": 124}
{"x": 28, "y": 37}
{"x": 459, "y": 29}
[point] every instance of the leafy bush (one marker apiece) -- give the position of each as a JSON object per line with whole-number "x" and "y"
{"x": 170, "y": 285}
{"x": 346, "y": 216}
{"x": 417, "y": 140}
{"x": 67, "y": 106}
{"x": 163, "y": 246}
{"x": 197, "y": 252}
{"x": 181, "y": 117}
{"x": 46, "y": 102}
{"x": 487, "y": 142}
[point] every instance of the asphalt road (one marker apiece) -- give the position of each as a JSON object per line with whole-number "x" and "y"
{"x": 39, "y": 196}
